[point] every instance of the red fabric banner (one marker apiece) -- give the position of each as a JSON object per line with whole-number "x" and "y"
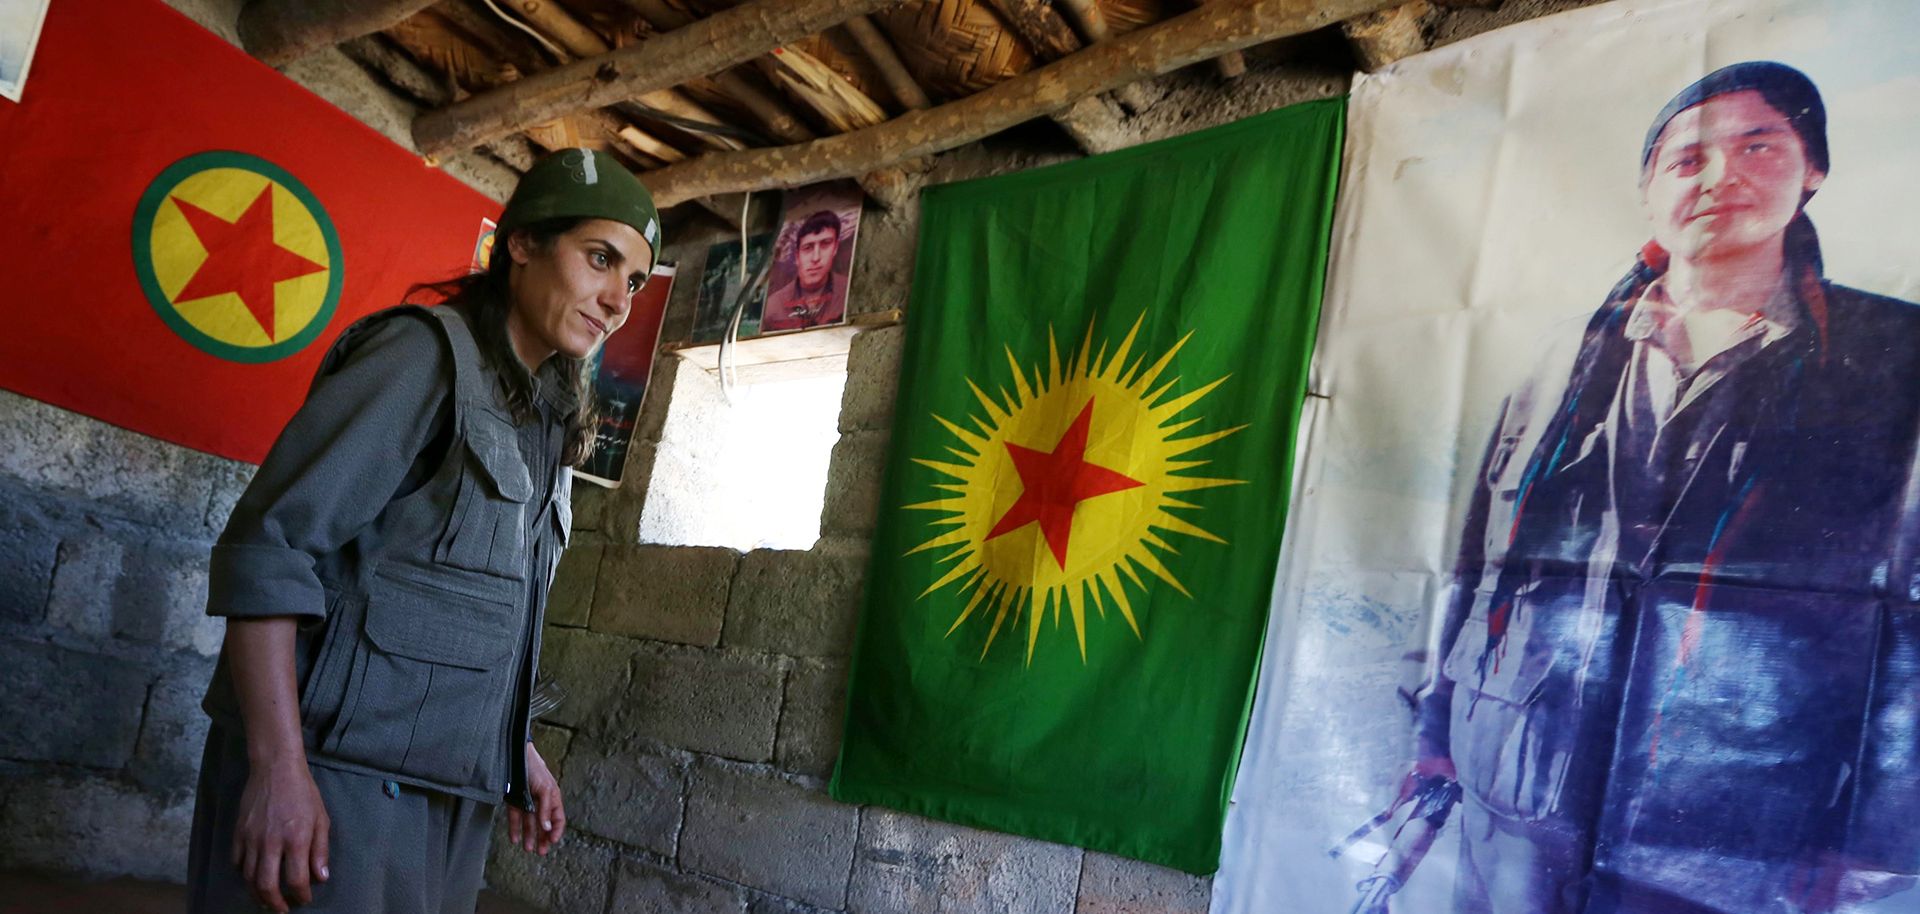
{"x": 183, "y": 230}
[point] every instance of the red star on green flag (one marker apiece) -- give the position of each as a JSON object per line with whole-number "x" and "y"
{"x": 1055, "y": 483}
{"x": 242, "y": 257}
{"x": 1101, "y": 701}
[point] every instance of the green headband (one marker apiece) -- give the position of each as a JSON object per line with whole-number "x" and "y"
{"x": 582, "y": 183}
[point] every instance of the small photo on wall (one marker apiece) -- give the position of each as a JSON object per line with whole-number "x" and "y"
{"x": 483, "y": 245}
{"x": 20, "y": 22}
{"x": 721, "y": 284}
{"x": 813, "y": 257}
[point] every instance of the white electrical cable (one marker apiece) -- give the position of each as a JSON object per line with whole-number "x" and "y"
{"x": 557, "y": 52}
{"x": 729, "y": 339}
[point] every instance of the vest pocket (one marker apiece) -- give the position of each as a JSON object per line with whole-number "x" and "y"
{"x": 428, "y": 680}
{"x": 487, "y": 528}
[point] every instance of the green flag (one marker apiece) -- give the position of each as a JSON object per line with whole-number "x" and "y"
{"x": 1104, "y": 367}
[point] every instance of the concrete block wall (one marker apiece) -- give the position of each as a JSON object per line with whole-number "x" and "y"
{"x": 707, "y": 687}
{"x": 105, "y": 648}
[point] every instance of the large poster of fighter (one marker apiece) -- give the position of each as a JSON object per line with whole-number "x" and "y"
{"x": 1600, "y": 592}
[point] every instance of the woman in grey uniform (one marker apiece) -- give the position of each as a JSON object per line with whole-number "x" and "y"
{"x": 384, "y": 576}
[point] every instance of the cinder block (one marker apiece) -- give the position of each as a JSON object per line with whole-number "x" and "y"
{"x": 95, "y": 826}
{"x": 620, "y": 509}
{"x": 554, "y": 743}
{"x": 640, "y": 887}
{"x": 854, "y": 477}
{"x": 660, "y": 388}
{"x": 760, "y": 830}
{"x": 589, "y": 506}
{"x": 704, "y": 701}
{"x": 570, "y": 600}
{"x": 811, "y": 717}
{"x": 883, "y": 273}
{"x": 765, "y": 904}
{"x": 633, "y": 797}
{"x": 803, "y": 604}
{"x": 873, "y": 379}
{"x": 161, "y": 597}
{"x": 1116, "y": 885}
{"x": 593, "y": 669}
{"x": 229, "y": 483}
{"x": 125, "y": 473}
{"x": 173, "y": 730}
{"x": 907, "y": 865}
{"x": 27, "y": 558}
{"x": 149, "y": 592}
{"x": 625, "y": 503}
{"x": 69, "y": 706}
{"x": 573, "y": 878}
{"x": 664, "y": 593}
{"x": 83, "y": 584}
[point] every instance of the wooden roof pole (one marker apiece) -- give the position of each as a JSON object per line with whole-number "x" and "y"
{"x": 1040, "y": 25}
{"x": 772, "y": 113}
{"x": 892, "y": 68}
{"x": 1231, "y": 65}
{"x": 1093, "y": 24}
{"x": 277, "y": 31}
{"x": 729, "y": 37}
{"x": 1096, "y": 124}
{"x": 1201, "y": 34}
{"x": 583, "y": 42}
{"x": 888, "y": 187}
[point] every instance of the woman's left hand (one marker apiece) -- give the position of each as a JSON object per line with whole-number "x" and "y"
{"x": 539, "y": 830}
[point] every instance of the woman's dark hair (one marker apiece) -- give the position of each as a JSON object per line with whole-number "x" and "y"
{"x": 484, "y": 299}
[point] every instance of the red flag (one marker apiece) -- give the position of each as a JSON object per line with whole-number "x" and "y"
{"x": 183, "y": 229}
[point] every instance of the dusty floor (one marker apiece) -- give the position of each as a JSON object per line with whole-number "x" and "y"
{"x": 36, "y": 893}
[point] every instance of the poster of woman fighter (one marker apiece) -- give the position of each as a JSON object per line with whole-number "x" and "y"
{"x": 1602, "y": 595}
{"x": 722, "y": 291}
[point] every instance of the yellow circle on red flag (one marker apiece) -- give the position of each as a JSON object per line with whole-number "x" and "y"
{"x": 237, "y": 256}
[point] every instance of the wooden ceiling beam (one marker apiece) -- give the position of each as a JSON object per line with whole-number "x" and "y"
{"x": 278, "y": 31}
{"x": 1201, "y": 34}
{"x": 1040, "y": 26}
{"x": 725, "y": 39}
{"x": 892, "y": 68}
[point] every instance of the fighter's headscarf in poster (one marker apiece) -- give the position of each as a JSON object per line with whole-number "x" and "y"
{"x": 1600, "y": 592}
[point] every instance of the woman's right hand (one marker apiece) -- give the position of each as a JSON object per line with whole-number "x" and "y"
{"x": 280, "y": 834}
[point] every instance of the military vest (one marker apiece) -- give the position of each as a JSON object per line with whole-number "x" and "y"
{"x": 422, "y": 669}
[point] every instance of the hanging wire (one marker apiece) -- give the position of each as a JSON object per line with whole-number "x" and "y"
{"x": 732, "y": 337}
{"x": 542, "y": 39}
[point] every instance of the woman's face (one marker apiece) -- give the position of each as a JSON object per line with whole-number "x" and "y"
{"x": 1727, "y": 176}
{"x": 572, "y": 293}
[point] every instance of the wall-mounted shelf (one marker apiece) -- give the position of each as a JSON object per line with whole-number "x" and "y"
{"x": 787, "y": 356}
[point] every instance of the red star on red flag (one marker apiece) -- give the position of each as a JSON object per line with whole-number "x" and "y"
{"x": 242, "y": 257}
{"x": 1056, "y": 483}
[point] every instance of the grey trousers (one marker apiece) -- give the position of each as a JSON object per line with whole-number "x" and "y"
{"x": 393, "y": 849}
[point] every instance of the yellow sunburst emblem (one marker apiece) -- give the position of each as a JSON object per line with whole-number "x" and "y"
{"x": 1064, "y": 486}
